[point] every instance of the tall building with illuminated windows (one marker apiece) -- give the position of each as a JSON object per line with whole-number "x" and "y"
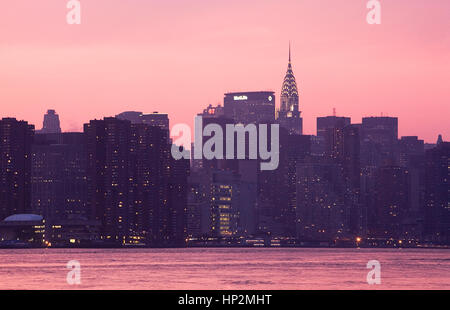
{"x": 135, "y": 189}
{"x": 108, "y": 144}
{"x": 224, "y": 213}
{"x": 288, "y": 115}
{"x": 15, "y": 166}
{"x": 58, "y": 175}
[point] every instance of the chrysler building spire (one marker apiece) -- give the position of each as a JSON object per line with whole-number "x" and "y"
{"x": 289, "y": 91}
{"x": 289, "y": 114}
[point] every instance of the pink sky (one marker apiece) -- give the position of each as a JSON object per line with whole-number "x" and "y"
{"x": 178, "y": 56}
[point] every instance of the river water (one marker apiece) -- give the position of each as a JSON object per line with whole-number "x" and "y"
{"x": 225, "y": 268}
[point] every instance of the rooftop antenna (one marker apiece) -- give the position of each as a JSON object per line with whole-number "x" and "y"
{"x": 334, "y": 111}
{"x": 289, "y": 51}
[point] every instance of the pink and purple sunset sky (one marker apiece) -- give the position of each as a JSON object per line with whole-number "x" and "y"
{"x": 178, "y": 56}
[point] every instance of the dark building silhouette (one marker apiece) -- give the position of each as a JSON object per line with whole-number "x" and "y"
{"x": 351, "y": 171}
{"x": 135, "y": 188}
{"x": 51, "y": 123}
{"x": 412, "y": 157}
{"x": 198, "y": 205}
{"x": 327, "y": 122}
{"x": 108, "y": 145}
{"x": 411, "y": 150}
{"x": 177, "y": 202}
{"x": 59, "y": 176}
{"x": 323, "y": 124}
{"x": 16, "y": 138}
{"x": 379, "y": 136}
{"x": 277, "y": 189}
{"x": 437, "y": 199}
{"x": 250, "y": 107}
{"x": 320, "y": 205}
{"x": 341, "y": 147}
{"x": 389, "y": 203}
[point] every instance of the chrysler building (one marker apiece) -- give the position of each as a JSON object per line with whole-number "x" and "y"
{"x": 289, "y": 114}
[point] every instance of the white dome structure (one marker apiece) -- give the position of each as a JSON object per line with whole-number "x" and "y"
{"x": 24, "y": 218}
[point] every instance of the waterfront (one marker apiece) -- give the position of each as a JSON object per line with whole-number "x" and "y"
{"x": 225, "y": 268}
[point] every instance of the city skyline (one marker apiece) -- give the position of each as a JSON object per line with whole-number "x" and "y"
{"x": 224, "y": 153}
{"x": 398, "y": 68}
{"x": 116, "y": 183}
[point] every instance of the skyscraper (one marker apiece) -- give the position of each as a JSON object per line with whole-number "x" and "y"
{"x": 108, "y": 181}
{"x": 327, "y": 122}
{"x": 51, "y": 123}
{"x": 224, "y": 204}
{"x": 58, "y": 183}
{"x": 289, "y": 113}
{"x": 379, "y": 141}
{"x": 250, "y": 107}
{"x": 15, "y": 166}
{"x": 389, "y": 203}
{"x": 320, "y": 208}
{"x": 437, "y": 201}
{"x": 135, "y": 188}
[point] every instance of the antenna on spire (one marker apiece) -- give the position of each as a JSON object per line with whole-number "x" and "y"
{"x": 289, "y": 51}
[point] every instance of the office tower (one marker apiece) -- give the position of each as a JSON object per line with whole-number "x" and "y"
{"x": 107, "y": 146}
{"x": 341, "y": 146}
{"x": 411, "y": 150}
{"x": 16, "y": 138}
{"x": 379, "y": 141}
{"x": 198, "y": 205}
{"x": 136, "y": 189}
{"x": 351, "y": 170}
{"x": 224, "y": 214}
{"x": 327, "y": 122}
{"x": 389, "y": 203}
{"x": 51, "y": 123}
{"x": 289, "y": 115}
{"x": 177, "y": 202}
{"x": 59, "y": 180}
{"x": 222, "y": 203}
{"x": 437, "y": 206}
{"x": 294, "y": 150}
{"x": 158, "y": 188}
{"x": 248, "y": 197}
{"x": 148, "y": 174}
{"x": 320, "y": 206}
{"x": 324, "y": 124}
{"x": 412, "y": 157}
{"x": 277, "y": 201}
{"x": 250, "y": 107}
